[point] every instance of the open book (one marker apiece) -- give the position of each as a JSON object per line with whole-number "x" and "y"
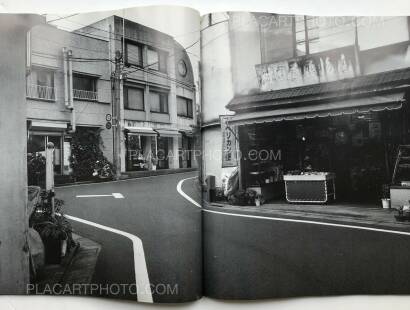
{"x": 236, "y": 155}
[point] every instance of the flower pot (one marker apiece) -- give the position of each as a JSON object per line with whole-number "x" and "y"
{"x": 386, "y": 203}
{"x": 257, "y": 202}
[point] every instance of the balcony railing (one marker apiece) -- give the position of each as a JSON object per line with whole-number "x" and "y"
{"x": 85, "y": 94}
{"x": 40, "y": 92}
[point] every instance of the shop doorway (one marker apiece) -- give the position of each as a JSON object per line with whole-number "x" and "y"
{"x": 185, "y": 150}
{"x": 163, "y": 152}
{"x": 359, "y": 149}
{"x": 37, "y": 143}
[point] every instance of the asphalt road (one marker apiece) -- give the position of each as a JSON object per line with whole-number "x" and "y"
{"x": 168, "y": 225}
{"x": 252, "y": 258}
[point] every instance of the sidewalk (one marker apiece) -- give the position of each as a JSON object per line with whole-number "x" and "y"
{"x": 76, "y": 268}
{"x": 341, "y": 213}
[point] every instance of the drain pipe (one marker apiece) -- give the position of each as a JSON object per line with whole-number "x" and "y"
{"x": 71, "y": 91}
{"x": 65, "y": 70}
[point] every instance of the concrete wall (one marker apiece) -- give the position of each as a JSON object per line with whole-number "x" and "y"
{"x": 217, "y": 89}
{"x": 14, "y": 266}
{"x": 245, "y": 51}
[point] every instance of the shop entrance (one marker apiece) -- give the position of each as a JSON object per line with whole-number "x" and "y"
{"x": 37, "y": 143}
{"x": 359, "y": 149}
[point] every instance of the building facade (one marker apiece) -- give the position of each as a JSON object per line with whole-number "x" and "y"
{"x": 330, "y": 91}
{"x": 66, "y": 92}
{"x": 158, "y": 114}
{"x": 69, "y": 86}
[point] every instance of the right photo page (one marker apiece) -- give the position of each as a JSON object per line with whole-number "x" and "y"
{"x": 306, "y": 155}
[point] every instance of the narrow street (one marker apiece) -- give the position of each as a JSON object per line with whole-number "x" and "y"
{"x": 151, "y": 209}
{"x": 251, "y": 256}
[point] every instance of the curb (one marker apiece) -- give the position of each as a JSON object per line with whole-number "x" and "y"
{"x": 131, "y": 176}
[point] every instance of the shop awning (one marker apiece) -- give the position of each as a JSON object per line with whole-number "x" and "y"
{"x": 48, "y": 125}
{"x": 167, "y": 133}
{"x": 350, "y": 106}
{"x": 142, "y": 131}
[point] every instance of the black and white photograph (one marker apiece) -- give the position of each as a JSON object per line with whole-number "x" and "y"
{"x": 101, "y": 141}
{"x": 306, "y": 191}
{"x": 159, "y": 154}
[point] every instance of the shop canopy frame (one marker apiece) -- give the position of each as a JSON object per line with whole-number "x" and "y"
{"x": 374, "y": 103}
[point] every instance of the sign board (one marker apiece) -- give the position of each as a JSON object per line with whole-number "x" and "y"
{"x": 317, "y": 68}
{"x": 108, "y": 125}
{"x": 229, "y": 146}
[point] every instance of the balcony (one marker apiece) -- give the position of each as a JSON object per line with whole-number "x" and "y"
{"x": 40, "y": 92}
{"x": 80, "y": 94}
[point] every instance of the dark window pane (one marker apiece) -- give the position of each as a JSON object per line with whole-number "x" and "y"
{"x": 153, "y": 59}
{"x": 83, "y": 83}
{"x": 155, "y": 102}
{"x": 163, "y": 57}
{"x": 134, "y": 98}
{"x": 133, "y": 54}
{"x": 184, "y": 107}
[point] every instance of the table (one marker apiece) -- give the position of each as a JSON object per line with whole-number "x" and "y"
{"x": 313, "y": 187}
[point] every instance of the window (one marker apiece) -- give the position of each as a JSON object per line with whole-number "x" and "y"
{"x": 315, "y": 34}
{"x": 157, "y": 60}
{"x": 40, "y": 84}
{"x": 133, "y": 54}
{"x": 84, "y": 87}
{"x": 134, "y": 98}
{"x": 159, "y": 102}
{"x": 184, "y": 106}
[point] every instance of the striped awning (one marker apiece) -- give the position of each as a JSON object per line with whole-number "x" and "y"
{"x": 142, "y": 131}
{"x": 168, "y": 133}
{"x": 343, "y": 107}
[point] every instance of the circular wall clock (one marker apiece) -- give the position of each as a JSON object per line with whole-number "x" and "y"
{"x": 182, "y": 68}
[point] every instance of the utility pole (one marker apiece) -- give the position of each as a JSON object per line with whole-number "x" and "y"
{"x": 116, "y": 117}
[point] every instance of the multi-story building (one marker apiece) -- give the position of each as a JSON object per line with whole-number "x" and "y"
{"x": 331, "y": 91}
{"x": 69, "y": 86}
{"x": 157, "y": 98}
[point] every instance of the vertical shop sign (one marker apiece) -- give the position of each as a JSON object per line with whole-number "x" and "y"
{"x": 229, "y": 156}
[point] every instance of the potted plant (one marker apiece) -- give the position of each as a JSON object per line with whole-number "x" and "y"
{"x": 54, "y": 229}
{"x": 56, "y": 236}
{"x": 386, "y": 196}
{"x": 250, "y": 197}
{"x": 259, "y": 200}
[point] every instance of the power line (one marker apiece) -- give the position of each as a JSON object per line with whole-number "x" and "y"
{"x": 60, "y": 18}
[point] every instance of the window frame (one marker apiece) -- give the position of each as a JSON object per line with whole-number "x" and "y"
{"x": 162, "y": 94}
{"x": 30, "y": 83}
{"x": 94, "y": 80}
{"x": 189, "y": 103}
{"x": 141, "y": 54}
{"x": 126, "y": 97}
{"x": 162, "y": 55}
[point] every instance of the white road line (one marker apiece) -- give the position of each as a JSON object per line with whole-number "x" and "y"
{"x": 91, "y": 196}
{"x": 144, "y": 293}
{"x": 118, "y": 195}
{"x": 115, "y": 195}
{"x": 310, "y": 222}
{"x": 180, "y": 191}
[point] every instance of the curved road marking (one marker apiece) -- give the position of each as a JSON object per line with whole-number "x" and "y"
{"x": 144, "y": 293}
{"x": 180, "y": 191}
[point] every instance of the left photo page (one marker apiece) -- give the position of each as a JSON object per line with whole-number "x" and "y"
{"x": 100, "y": 150}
